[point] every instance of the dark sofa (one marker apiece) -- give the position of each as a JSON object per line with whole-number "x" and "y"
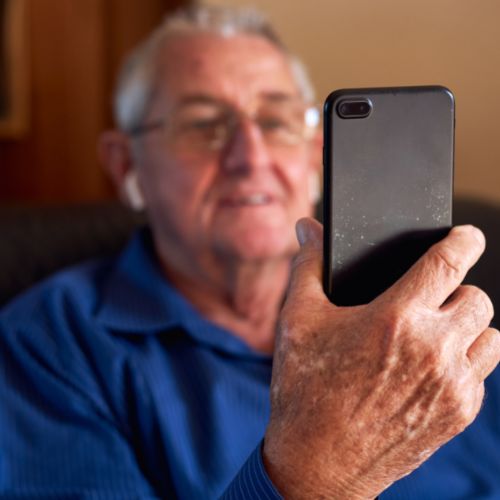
{"x": 38, "y": 241}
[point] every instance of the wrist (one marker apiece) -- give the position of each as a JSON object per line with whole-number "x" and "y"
{"x": 296, "y": 475}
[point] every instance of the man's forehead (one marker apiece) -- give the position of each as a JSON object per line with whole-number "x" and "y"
{"x": 202, "y": 43}
{"x": 212, "y": 65}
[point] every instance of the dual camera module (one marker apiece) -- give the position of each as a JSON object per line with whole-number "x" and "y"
{"x": 354, "y": 108}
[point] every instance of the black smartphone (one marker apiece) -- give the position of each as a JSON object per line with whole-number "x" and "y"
{"x": 388, "y": 185}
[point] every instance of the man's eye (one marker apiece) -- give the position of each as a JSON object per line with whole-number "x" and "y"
{"x": 202, "y": 124}
{"x": 274, "y": 124}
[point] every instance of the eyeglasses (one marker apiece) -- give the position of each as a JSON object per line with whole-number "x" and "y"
{"x": 206, "y": 124}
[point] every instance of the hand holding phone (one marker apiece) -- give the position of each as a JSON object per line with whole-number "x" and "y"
{"x": 361, "y": 396}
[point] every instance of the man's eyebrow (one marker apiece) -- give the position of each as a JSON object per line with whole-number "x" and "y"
{"x": 271, "y": 96}
{"x": 199, "y": 99}
{"x": 277, "y": 96}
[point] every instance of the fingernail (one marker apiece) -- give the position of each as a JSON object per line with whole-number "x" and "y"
{"x": 302, "y": 232}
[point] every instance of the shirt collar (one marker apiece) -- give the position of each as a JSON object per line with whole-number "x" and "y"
{"x": 137, "y": 299}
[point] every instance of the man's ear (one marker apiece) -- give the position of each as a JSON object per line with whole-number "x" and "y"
{"x": 115, "y": 155}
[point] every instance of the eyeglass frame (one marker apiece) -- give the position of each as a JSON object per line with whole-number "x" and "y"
{"x": 311, "y": 118}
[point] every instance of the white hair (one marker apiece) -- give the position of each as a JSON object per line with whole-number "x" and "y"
{"x": 136, "y": 81}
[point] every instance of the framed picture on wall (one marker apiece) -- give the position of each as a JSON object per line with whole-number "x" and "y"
{"x": 13, "y": 68}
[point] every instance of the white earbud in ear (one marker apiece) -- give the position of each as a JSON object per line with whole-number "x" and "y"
{"x": 133, "y": 192}
{"x": 314, "y": 188}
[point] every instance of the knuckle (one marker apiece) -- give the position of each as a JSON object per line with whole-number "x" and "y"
{"x": 484, "y": 304}
{"x": 447, "y": 261}
{"x": 394, "y": 318}
{"x": 487, "y": 304}
{"x": 469, "y": 290}
{"x": 479, "y": 399}
{"x": 468, "y": 410}
{"x": 491, "y": 352}
{"x": 400, "y": 327}
{"x": 463, "y": 417}
{"x": 407, "y": 322}
{"x": 305, "y": 268}
{"x": 496, "y": 341}
{"x": 306, "y": 257}
{"x": 463, "y": 400}
{"x": 303, "y": 257}
{"x": 459, "y": 406}
{"x": 480, "y": 303}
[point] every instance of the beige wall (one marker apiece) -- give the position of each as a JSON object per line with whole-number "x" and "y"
{"x": 355, "y": 43}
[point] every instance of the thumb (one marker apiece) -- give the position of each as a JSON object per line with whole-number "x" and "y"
{"x": 308, "y": 263}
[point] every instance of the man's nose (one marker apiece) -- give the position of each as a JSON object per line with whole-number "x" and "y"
{"x": 247, "y": 149}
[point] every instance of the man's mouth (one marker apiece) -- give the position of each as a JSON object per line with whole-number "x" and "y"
{"x": 250, "y": 200}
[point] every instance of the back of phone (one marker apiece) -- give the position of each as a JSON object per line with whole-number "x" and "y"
{"x": 388, "y": 176}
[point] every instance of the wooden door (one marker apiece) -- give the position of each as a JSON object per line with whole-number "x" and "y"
{"x": 74, "y": 50}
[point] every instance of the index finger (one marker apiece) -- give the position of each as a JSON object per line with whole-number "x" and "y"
{"x": 437, "y": 274}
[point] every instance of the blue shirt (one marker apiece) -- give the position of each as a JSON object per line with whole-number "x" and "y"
{"x": 114, "y": 386}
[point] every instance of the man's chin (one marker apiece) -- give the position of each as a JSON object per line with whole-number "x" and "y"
{"x": 266, "y": 244}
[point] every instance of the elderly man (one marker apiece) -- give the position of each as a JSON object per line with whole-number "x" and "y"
{"x": 148, "y": 375}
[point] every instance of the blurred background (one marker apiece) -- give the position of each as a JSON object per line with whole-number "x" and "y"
{"x": 60, "y": 58}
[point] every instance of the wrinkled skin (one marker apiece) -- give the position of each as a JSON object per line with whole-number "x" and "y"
{"x": 362, "y": 395}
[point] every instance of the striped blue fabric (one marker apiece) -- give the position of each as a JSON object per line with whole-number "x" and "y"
{"x": 252, "y": 481}
{"x": 113, "y": 386}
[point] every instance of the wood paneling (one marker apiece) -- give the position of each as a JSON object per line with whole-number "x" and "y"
{"x": 75, "y": 48}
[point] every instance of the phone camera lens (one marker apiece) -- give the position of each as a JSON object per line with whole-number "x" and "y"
{"x": 359, "y": 108}
{"x": 344, "y": 109}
